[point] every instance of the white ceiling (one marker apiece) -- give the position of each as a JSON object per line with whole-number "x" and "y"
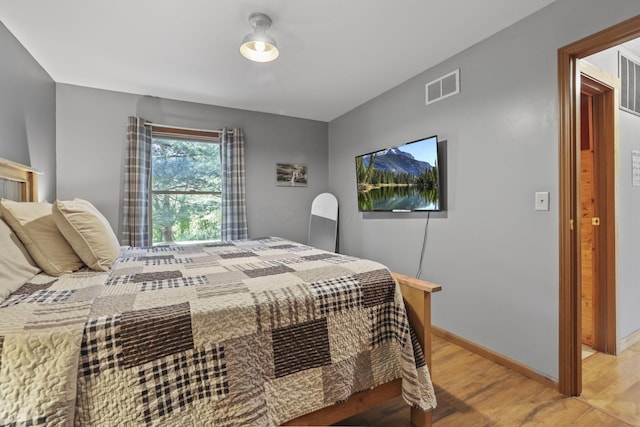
{"x": 633, "y": 46}
{"x": 335, "y": 54}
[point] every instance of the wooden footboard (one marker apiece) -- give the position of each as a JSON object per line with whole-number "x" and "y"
{"x": 417, "y": 299}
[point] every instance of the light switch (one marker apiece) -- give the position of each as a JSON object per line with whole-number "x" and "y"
{"x": 542, "y": 200}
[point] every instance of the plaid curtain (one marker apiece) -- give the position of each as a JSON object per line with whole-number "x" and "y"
{"x": 234, "y": 210}
{"x": 137, "y": 180}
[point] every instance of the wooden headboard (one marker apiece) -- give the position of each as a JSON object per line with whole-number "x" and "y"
{"x": 18, "y": 182}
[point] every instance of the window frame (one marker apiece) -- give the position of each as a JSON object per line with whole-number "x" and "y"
{"x": 186, "y": 134}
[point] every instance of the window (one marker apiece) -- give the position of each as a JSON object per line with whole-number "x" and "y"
{"x": 185, "y": 186}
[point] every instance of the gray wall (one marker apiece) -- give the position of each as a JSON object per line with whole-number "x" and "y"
{"x": 90, "y": 133}
{"x": 27, "y": 112}
{"x": 628, "y": 210}
{"x": 496, "y": 257}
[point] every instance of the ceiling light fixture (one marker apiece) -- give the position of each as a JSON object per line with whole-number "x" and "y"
{"x": 258, "y": 46}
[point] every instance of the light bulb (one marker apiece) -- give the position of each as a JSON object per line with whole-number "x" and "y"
{"x": 260, "y": 46}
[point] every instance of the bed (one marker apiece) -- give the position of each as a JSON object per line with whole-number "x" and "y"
{"x": 254, "y": 332}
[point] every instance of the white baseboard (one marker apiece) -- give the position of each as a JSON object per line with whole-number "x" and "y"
{"x": 628, "y": 341}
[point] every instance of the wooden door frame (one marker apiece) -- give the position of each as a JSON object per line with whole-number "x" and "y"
{"x": 604, "y": 91}
{"x": 570, "y": 348}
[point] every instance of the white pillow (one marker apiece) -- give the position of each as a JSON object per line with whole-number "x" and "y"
{"x": 16, "y": 266}
{"x": 33, "y": 223}
{"x": 88, "y": 232}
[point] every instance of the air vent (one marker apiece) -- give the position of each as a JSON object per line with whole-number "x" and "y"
{"x": 630, "y": 85}
{"x": 443, "y": 87}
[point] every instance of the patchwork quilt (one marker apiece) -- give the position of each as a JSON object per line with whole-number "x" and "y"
{"x": 242, "y": 333}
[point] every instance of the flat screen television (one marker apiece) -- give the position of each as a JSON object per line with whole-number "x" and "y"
{"x": 403, "y": 178}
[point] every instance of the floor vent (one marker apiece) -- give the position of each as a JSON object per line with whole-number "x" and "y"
{"x": 443, "y": 87}
{"x": 630, "y": 85}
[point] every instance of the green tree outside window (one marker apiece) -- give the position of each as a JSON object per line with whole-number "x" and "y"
{"x": 186, "y": 190}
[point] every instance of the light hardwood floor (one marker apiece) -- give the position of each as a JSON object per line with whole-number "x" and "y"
{"x": 612, "y": 383}
{"x": 473, "y": 391}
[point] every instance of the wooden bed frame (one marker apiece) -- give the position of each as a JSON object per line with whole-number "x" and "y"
{"x": 24, "y": 175}
{"x": 417, "y": 298}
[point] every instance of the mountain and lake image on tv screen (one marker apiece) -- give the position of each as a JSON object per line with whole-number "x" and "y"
{"x": 402, "y": 178}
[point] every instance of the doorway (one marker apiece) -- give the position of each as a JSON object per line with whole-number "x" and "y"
{"x": 569, "y": 77}
{"x": 596, "y": 160}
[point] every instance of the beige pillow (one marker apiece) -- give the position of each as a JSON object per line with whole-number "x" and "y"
{"x": 88, "y": 232}
{"x": 33, "y": 223}
{"x": 16, "y": 266}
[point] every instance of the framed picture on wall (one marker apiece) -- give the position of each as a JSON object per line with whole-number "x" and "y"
{"x": 291, "y": 175}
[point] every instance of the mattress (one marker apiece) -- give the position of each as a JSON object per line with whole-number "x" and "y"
{"x": 242, "y": 333}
